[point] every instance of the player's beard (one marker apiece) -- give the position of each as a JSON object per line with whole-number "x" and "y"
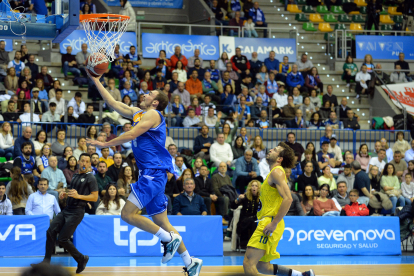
{"x": 142, "y": 105}
{"x": 271, "y": 159}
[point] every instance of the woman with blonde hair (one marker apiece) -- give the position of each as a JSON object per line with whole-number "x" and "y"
{"x": 197, "y": 165}
{"x": 26, "y": 75}
{"x": 111, "y": 203}
{"x": 18, "y": 191}
{"x": 259, "y": 149}
{"x": 250, "y": 203}
{"x": 126, "y": 177}
{"x": 42, "y": 161}
{"x": 6, "y": 141}
{"x": 368, "y": 61}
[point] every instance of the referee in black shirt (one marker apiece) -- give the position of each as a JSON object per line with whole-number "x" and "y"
{"x": 82, "y": 189}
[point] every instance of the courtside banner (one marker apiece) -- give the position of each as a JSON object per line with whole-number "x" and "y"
{"x": 165, "y": 4}
{"x": 340, "y": 236}
{"x": 263, "y": 46}
{"x": 152, "y": 44}
{"x": 384, "y": 47}
{"x": 78, "y": 37}
{"x": 23, "y": 235}
{"x": 111, "y": 236}
{"x": 404, "y": 93}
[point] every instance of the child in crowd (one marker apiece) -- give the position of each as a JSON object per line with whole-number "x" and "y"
{"x": 249, "y": 27}
{"x": 355, "y": 209}
{"x": 407, "y": 189}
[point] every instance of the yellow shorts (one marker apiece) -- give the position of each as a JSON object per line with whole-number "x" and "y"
{"x": 267, "y": 243}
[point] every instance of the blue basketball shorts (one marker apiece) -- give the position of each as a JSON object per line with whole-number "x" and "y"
{"x": 149, "y": 190}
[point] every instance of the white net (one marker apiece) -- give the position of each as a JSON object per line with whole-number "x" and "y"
{"x": 103, "y": 34}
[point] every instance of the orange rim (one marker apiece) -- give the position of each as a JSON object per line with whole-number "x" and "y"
{"x": 103, "y": 17}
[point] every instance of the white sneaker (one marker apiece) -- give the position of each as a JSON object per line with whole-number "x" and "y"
{"x": 194, "y": 268}
{"x": 171, "y": 247}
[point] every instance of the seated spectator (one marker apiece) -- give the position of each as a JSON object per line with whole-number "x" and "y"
{"x": 262, "y": 94}
{"x": 262, "y": 76}
{"x": 400, "y": 144}
{"x": 289, "y": 110}
{"x": 220, "y": 179}
{"x": 280, "y": 97}
{"x": 188, "y": 202}
{"x": 272, "y": 64}
{"x": 296, "y": 207}
{"x": 115, "y": 93}
{"x": 82, "y": 148}
{"x": 18, "y": 191}
{"x": 307, "y": 108}
{"x": 202, "y": 143}
{"x": 38, "y": 104}
{"x": 69, "y": 117}
{"x": 177, "y": 111}
{"x": 350, "y": 70}
{"x": 410, "y": 169}
{"x": 323, "y": 206}
{"x": 111, "y": 203}
{"x": 87, "y": 117}
{"x": 243, "y": 109}
{"x": 69, "y": 64}
{"x": 333, "y": 100}
{"x": 315, "y": 100}
{"x": 181, "y": 72}
{"x": 263, "y": 121}
{"x": 194, "y": 85}
{"x": 342, "y": 195}
{"x": 25, "y": 118}
{"x": 82, "y": 58}
{"x": 59, "y": 145}
{"x": 304, "y": 65}
{"x": 409, "y": 154}
{"x": 273, "y": 88}
{"x": 214, "y": 73}
{"x": 240, "y": 64}
{"x": 197, "y": 67}
{"x": 50, "y": 116}
{"x": 398, "y": 76}
{"x": 374, "y": 176}
{"x": 70, "y": 170}
{"x": 310, "y": 156}
{"x": 221, "y": 151}
{"x": 187, "y": 173}
{"x": 298, "y": 122}
{"x": 313, "y": 81}
{"x": 210, "y": 120}
{"x": 179, "y": 166}
{"x": 16, "y": 63}
{"x": 324, "y": 157}
{"x": 362, "y": 183}
{"x": 178, "y": 57}
{"x": 52, "y": 91}
{"x": 295, "y": 79}
{"x": 191, "y": 120}
{"x": 27, "y": 135}
{"x": 327, "y": 178}
{"x": 101, "y": 178}
{"x": 41, "y": 202}
{"x": 247, "y": 221}
{"x": 128, "y": 91}
{"x": 6, "y": 208}
{"x": 334, "y": 122}
{"x": 77, "y": 104}
{"x": 133, "y": 58}
{"x": 258, "y": 18}
{"x": 362, "y": 78}
{"x": 354, "y": 208}
{"x": 94, "y": 162}
{"x": 106, "y": 128}
{"x": 308, "y": 177}
{"x": 105, "y": 157}
{"x": 60, "y": 103}
{"x": 11, "y": 114}
{"x": 407, "y": 188}
{"x": 362, "y": 157}
{"x": 255, "y": 64}
{"x": 307, "y": 200}
{"x": 259, "y": 149}
{"x": 257, "y": 109}
{"x": 348, "y": 177}
{"x": 148, "y": 80}
{"x": 42, "y": 161}
{"x": 296, "y": 171}
{"x": 225, "y": 80}
{"x": 238, "y": 149}
{"x": 6, "y": 141}
{"x": 391, "y": 186}
{"x": 246, "y": 171}
{"x": 351, "y": 122}
{"x": 34, "y": 68}
{"x": 249, "y": 99}
{"x": 125, "y": 179}
{"x": 184, "y": 95}
{"x": 297, "y": 147}
{"x": 399, "y": 164}
{"x": 115, "y": 169}
{"x": 57, "y": 180}
{"x": 336, "y": 151}
{"x": 210, "y": 86}
{"x": 4, "y": 58}
{"x": 21, "y": 100}
{"x": 45, "y": 77}
{"x": 343, "y": 109}
{"x": 378, "y": 161}
{"x": 11, "y": 81}
{"x": 159, "y": 81}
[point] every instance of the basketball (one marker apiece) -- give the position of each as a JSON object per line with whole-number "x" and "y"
{"x": 101, "y": 64}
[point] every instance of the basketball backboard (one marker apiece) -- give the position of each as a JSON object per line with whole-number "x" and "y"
{"x": 29, "y": 26}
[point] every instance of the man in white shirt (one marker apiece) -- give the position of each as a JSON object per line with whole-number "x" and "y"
{"x": 211, "y": 119}
{"x": 41, "y": 202}
{"x": 77, "y": 104}
{"x": 60, "y": 103}
{"x": 304, "y": 65}
{"x": 191, "y": 120}
{"x": 336, "y": 150}
{"x": 81, "y": 58}
{"x": 409, "y": 154}
{"x": 221, "y": 152}
{"x": 25, "y": 117}
{"x": 398, "y": 76}
{"x": 281, "y": 98}
{"x": 377, "y": 161}
{"x": 362, "y": 79}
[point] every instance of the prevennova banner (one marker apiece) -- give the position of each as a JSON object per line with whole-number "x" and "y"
{"x": 152, "y": 44}
{"x": 202, "y": 235}
{"x": 263, "y": 46}
{"x": 23, "y": 235}
{"x": 166, "y": 4}
{"x": 384, "y": 47}
{"x": 340, "y": 236}
{"x": 404, "y": 93}
{"x": 78, "y": 37}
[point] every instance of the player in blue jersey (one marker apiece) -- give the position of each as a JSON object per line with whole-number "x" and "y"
{"x": 153, "y": 161}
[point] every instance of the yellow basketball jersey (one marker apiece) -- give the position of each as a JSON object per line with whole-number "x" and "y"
{"x": 270, "y": 199}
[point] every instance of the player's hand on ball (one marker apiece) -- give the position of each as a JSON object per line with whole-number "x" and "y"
{"x": 269, "y": 229}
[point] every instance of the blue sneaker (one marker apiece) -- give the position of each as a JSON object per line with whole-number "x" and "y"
{"x": 171, "y": 247}
{"x": 309, "y": 273}
{"x": 194, "y": 268}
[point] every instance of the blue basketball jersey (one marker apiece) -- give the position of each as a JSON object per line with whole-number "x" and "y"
{"x": 149, "y": 148}
{"x": 18, "y": 68}
{"x": 27, "y": 165}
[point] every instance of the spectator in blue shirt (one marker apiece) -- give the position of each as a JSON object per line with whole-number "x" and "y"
{"x": 189, "y": 203}
{"x": 258, "y": 17}
{"x": 333, "y": 121}
{"x": 215, "y": 73}
{"x": 55, "y": 176}
{"x": 297, "y": 170}
{"x": 272, "y": 63}
{"x": 129, "y": 91}
{"x": 295, "y": 79}
{"x": 41, "y": 202}
{"x": 328, "y": 135}
{"x": 247, "y": 169}
{"x": 243, "y": 109}
{"x": 324, "y": 157}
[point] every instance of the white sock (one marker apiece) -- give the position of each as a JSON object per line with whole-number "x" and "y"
{"x": 163, "y": 235}
{"x": 186, "y": 258}
{"x": 296, "y": 273}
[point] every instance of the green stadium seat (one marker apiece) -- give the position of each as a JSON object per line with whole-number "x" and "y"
{"x": 322, "y": 9}
{"x": 307, "y": 9}
{"x": 3, "y": 159}
{"x": 308, "y": 26}
{"x": 337, "y": 10}
{"x": 348, "y": 34}
{"x": 329, "y": 18}
{"x": 212, "y": 169}
{"x": 301, "y": 2}
{"x": 384, "y": 11}
{"x": 357, "y": 18}
{"x": 386, "y": 27}
{"x": 363, "y": 10}
{"x": 5, "y": 179}
{"x": 398, "y": 18}
{"x": 343, "y": 18}
{"x": 340, "y": 27}
{"x": 301, "y": 17}
{"x": 117, "y": 82}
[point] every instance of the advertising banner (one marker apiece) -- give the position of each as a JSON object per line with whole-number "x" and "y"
{"x": 153, "y": 43}
{"x": 404, "y": 93}
{"x": 165, "y": 4}
{"x": 78, "y": 37}
{"x": 384, "y": 47}
{"x": 340, "y": 236}
{"x": 263, "y": 46}
{"x": 9, "y": 44}
{"x": 203, "y": 236}
{"x": 23, "y": 235}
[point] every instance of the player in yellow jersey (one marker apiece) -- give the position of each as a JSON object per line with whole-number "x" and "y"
{"x": 275, "y": 200}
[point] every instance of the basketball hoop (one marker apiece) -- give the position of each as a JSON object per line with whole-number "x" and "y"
{"x": 103, "y": 32}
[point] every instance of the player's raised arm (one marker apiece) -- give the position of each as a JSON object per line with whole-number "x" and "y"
{"x": 119, "y": 107}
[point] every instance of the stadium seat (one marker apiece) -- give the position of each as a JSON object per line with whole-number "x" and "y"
{"x": 315, "y": 18}
{"x": 301, "y": 17}
{"x": 386, "y": 27}
{"x": 357, "y": 18}
{"x": 3, "y": 159}
{"x": 363, "y": 10}
{"x": 322, "y": 9}
{"x": 343, "y": 18}
{"x": 325, "y": 27}
{"x": 329, "y": 18}
{"x": 355, "y": 27}
{"x": 337, "y": 10}
{"x": 386, "y": 19}
{"x": 354, "y": 12}
{"x": 398, "y": 19}
{"x": 307, "y": 9}
{"x": 393, "y": 11}
{"x": 360, "y": 3}
{"x": 384, "y": 11}
{"x": 293, "y": 8}
{"x": 308, "y": 26}
{"x": 340, "y": 27}
{"x": 346, "y": 1}
{"x": 331, "y": 37}
{"x": 301, "y": 2}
